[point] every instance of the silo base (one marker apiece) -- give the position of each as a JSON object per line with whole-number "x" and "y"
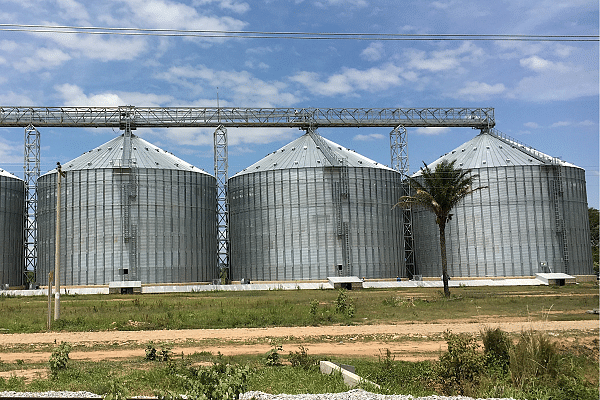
{"x": 125, "y": 287}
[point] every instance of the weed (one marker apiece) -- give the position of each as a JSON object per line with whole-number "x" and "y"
{"x": 458, "y": 369}
{"x": 314, "y": 306}
{"x": 343, "y": 304}
{"x": 273, "y": 358}
{"x": 59, "y": 358}
{"x": 116, "y": 391}
{"x": 496, "y": 349}
{"x": 219, "y": 382}
{"x": 165, "y": 353}
{"x": 302, "y": 359}
{"x": 534, "y": 357}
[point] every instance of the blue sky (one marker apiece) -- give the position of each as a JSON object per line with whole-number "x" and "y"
{"x": 545, "y": 94}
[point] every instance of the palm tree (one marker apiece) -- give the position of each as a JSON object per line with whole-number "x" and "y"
{"x": 440, "y": 191}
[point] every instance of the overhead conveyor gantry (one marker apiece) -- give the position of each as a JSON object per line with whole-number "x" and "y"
{"x": 164, "y": 117}
{"x": 128, "y": 118}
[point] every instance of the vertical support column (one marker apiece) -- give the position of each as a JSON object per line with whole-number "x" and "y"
{"x": 399, "y": 155}
{"x": 221, "y": 173}
{"x": 31, "y": 175}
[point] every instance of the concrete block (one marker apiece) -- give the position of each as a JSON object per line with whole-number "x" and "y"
{"x": 350, "y": 379}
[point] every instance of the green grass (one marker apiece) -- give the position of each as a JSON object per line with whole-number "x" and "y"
{"x": 293, "y": 308}
{"x": 141, "y": 377}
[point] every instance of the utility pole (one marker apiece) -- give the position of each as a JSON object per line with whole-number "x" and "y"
{"x": 50, "y": 281}
{"x": 57, "y": 245}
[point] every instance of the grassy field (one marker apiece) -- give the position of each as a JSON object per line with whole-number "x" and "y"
{"x": 571, "y": 372}
{"x": 220, "y": 309}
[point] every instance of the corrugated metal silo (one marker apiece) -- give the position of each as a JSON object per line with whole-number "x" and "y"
{"x": 296, "y": 216}
{"x": 130, "y": 212}
{"x": 12, "y": 220}
{"x": 531, "y": 218}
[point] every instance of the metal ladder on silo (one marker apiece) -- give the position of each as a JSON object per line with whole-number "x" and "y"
{"x": 557, "y": 193}
{"x": 129, "y": 190}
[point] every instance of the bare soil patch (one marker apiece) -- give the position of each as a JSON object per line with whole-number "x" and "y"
{"x": 410, "y": 342}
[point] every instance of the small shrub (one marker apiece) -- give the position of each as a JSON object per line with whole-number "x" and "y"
{"x": 150, "y": 352}
{"x": 458, "y": 369}
{"x": 59, "y": 358}
{"x": 273, "y": 358}
{"x": 163, "y": 354}
{"x": 301, "y": 358}
{"x": 116, "y": 391}
{"x": 496, "y": 349}
{"x": 343, "y": 304}
{"x": 314, "y": 305}
{"x": 219, "y": 382}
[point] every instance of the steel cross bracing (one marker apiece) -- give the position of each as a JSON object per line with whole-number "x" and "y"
{"x": 221, "y": 174}
{"x": 164, "y": 117}
{"x": 399, "y": 155}
{"x": 31, "y": 175}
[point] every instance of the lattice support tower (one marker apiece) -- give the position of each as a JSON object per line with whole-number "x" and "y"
{"x": 221, "y": 173}
{"x": 31, "y": 175}
{"x": 399, "y": 155}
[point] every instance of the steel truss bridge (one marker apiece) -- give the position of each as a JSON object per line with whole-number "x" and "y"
{"x": 128, "y": 118}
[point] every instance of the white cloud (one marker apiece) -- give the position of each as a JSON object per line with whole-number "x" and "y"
{"x": 532, "y": 125}
{"x": 561, "y": 124}
{"x": 8, "y": 45}
{"x": 442, "y": 60}
{"x": 431, "y": 131}
{"x": 557, "y": 85}
{"x": 235, "y": 136}
{"x": 72, "y": 10}
{"x": 73, "y": 95}
{"x": 234, "y": 6}
{"x": 539, "y": 64}
{"x": 478, "y": 91}
{"x": 373, "y": 52}
{"x": 44, "y": 58}
{"x": 13, "y": 98}
{"x": 10, "y": 153}
{"x": 369, "y": 137}
{"x": 240, "y": 87}
{"x": 347, "y": 3}
{"x": 95, "y": 47}
{"x": 350, "y": 80}
{"x": 174, "y": 15}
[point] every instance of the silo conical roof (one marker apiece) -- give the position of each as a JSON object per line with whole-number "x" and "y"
{"x": 306, "y": 152}
{"x": 143, "y": 155}
{"x": 8, "y": 174}
{"x": 488, "y": 150}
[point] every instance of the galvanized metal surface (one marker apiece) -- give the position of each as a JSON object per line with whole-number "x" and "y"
{"x": 154, "y": 225}
{"x": 305, "y": 152}
{"x": 311, "y": 222}
{"x": 153, "y": 117}
{"x": 12, "y": 219}
{"x": 531, "y": 218}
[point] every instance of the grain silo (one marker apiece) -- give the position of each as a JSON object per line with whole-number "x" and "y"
{"x": 130, "y": 212}
{"x": 311, "y": 210}
{"x": 531, "y": 218}
{"x": 12, "y": 219}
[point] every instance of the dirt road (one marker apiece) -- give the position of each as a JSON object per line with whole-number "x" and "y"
{"x": 409, "y": 342}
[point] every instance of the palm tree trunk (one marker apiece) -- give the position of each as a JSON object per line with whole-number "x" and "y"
{"x": 444, "y": 258}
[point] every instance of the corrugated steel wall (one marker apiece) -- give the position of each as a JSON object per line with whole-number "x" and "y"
{"x": 156, "y": 226}
{"x": 12, "y": 219}
{"x": 302, "y": 223}
{"x": 512, "y": 226}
